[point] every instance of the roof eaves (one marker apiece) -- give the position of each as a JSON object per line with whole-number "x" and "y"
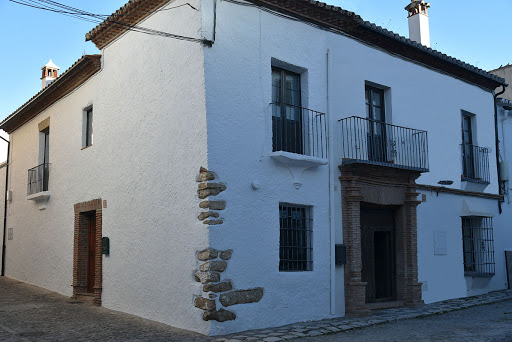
{"x": 48, "y": 89}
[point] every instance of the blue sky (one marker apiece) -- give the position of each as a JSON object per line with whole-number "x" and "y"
{"x": 475, "y": 32}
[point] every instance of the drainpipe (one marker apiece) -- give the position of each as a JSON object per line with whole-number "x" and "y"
{"x": 5, "y": 203}
{"x": 497, "y": 140}
{"x": 331, "y": 164}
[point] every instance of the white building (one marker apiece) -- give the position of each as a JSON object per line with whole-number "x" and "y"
{"x": 229, "y": 205}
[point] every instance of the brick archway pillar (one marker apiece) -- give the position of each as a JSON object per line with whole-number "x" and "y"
{"x": 381, "y": 186}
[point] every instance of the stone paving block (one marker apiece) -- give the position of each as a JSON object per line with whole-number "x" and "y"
{"x": 272, "y": 339}
{"x": 290, "y": 337}
{"x": 314, "y": 333}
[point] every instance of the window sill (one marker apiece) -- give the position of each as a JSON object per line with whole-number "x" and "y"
{"x": 297, "y": 164}
{"x": 83, "y": 148}
{"x": 298, "y": 160}
{"x": 478, "y": 274}
{"x": 469, "y": 184}
{"x": 39, "y": 196}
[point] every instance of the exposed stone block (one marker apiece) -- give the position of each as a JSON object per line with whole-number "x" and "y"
{"x": 241, "y": 296}
{"x": 207, "y": 254}
{"x": 208, "y": 192}
{"x": 204, "y": 303}
{"x": 205, "y": 176}
{"x": 204, "y": 186}
{"x": 215, "y": 265}
{"x": 214, "y": 205}
{"x": 213, "y": 222}
{"x": 202, "y": 170}
{"x": 206, "y": 214}
{"x": 207, "y": 277}
{"x": 218, "y": 287}
{"x": 219, "y": 316}
{"x": 226, "y": 255}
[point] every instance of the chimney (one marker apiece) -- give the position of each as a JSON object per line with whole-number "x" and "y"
{"x": 418, "y": 22}
{"x": 50, "y": 72}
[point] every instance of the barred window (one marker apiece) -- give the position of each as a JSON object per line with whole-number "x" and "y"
{"x": 478, "y": 246}
{"x": 295, "y": 244}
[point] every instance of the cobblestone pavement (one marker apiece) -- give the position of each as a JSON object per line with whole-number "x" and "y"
{"x": 332, "y": 326}
{"x": 29, "y": 313}
{"x": 484, "y": 323}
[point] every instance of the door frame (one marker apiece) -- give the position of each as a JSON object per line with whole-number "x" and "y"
{"x": 83, "y": 213}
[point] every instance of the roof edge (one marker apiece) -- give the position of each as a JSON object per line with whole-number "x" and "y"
{"x": 61, "y": 86}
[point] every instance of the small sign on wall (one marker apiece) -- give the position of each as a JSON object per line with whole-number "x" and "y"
{"x": 440, "y": 243}
{"x": 9, "y": 233}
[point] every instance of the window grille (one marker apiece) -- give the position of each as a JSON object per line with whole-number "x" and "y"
{"x": 295, "y": 244}
{"x": 478, "y": 246}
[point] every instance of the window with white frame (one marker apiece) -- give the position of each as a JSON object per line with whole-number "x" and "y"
{"x": 296, "y": 240}
{"x": 478, "y": 246}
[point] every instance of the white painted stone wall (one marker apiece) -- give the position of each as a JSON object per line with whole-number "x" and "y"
{"x": 238, "y": 83}
{"x": 149, "y": 143}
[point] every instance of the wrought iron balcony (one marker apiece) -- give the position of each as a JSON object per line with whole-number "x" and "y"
{"x": 373, "y": 142}
{"x": 38, "y": 179}
{"x": 299, "y": 130}
{"x": 475, "y": 164}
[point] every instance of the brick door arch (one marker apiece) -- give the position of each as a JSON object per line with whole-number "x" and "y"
{"x": 361, "y": 183}
{"x": 84, "y": 212}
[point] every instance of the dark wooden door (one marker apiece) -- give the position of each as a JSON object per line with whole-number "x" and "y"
{"x": 91, "y": 254}
{"x": 378, "y": 253}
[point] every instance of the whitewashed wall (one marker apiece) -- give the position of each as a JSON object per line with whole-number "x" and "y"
{"x": 238, "y": 83}
{"x": 149, "y": 143}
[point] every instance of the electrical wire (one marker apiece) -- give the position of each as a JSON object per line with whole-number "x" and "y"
{"x": 63, "y": 9}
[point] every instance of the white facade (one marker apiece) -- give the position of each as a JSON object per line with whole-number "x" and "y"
{"x": 163, "y": 108}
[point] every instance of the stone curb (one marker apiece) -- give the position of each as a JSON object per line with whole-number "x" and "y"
{"x": 343, "y": 324}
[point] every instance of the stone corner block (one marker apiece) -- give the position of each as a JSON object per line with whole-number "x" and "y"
{"x": 213, "y": 222}
{"x": 207, "y": 277}
{"x": 207, "y": 254}
{"x": 223, "y": 286}
{"x": 205, "y": 214}
{"x": 205, "y": 176}
{"x": 213, "y": 205}
{"x": 204, "y": 303}
{"x": 241, "y": 296}
{"x": 220, "y": 316}
{"x": 214, "y": 265}
{"x": 226, "y": 255}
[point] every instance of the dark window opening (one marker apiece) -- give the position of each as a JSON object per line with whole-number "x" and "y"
{"x": 295, "y": 243}
{"x": 478, "y": 246}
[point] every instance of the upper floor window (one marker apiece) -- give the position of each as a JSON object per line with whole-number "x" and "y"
{"x": 287, "y": 121}
{"x": 475, "y": 159}
{"x": 376, "y": 134}
{"x": 87, "y": 128}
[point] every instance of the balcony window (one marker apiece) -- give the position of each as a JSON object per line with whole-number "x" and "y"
{"x": 295, "y": 129}
{"x": 475, "y": 159}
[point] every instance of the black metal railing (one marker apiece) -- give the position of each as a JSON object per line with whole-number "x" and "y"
{"x": 299, "y": 130}
{"x": 38, "y": 179}
{"x": 375, "y": 142}
{"x": 475, "y": 163}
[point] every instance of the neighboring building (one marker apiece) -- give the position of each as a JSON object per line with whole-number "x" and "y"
{"x": 228, "y": 204}
{"x": 505, "y": 72}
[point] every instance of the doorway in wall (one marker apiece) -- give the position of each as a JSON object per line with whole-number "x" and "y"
{"x": 87, "y": 257}
{"x": 378, "y": 253}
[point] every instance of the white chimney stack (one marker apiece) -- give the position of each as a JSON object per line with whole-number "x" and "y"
{"x": 418, "y": 22}
{"x": 50, "y": 72}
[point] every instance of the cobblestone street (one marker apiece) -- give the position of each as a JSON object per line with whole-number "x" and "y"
{"x": 29, "y": 313}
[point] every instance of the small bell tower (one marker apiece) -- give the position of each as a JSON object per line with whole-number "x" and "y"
{"x": 419, "y": 30}
{"x": 50, "y": 72}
